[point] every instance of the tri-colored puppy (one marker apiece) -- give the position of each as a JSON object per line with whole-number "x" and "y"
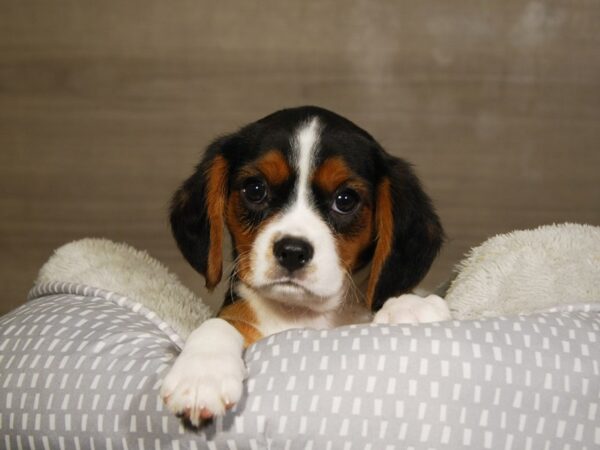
{"x": 309, "y": 199}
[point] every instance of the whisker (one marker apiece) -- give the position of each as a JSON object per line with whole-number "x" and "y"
{"x": 352, "y": 289}
{"x": 234, "y": 268}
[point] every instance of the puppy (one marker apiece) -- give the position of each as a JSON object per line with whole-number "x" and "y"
{"x": 310, "y": 199}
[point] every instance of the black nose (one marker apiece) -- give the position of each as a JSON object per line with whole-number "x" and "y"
{"x": 292, "y": 253}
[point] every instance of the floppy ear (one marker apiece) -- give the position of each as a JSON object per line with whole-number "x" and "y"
{"x": 409, "y": 234}
{"x": 198, "y": 211}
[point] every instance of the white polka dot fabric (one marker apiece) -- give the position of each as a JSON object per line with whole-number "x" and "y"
{"x": 80, "y": 368}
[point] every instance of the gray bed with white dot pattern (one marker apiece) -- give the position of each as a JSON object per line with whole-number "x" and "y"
{"x": 81, "y": 368}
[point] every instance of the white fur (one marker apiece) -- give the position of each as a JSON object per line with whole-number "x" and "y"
{"x": 274, "y": 317}
{"x": 121, "y": 268}
{"x": 410, "y": 308}
{"x": 305, "y": 144}
{"x": 207, "y": 376}
{"x": 321, "y": 285}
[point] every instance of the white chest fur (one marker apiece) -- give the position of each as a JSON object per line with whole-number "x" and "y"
{"x": 273, "y": 317}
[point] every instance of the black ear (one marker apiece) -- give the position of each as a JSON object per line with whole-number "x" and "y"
{"x": 409, "y": 234}
{"x": 197, "y": 213}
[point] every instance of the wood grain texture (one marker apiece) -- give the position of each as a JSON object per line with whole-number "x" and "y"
{"x": 106, "y": 106}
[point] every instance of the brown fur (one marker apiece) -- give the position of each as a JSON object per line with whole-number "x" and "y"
{"x": 215, "y": 204}
{"x": 274, "y": 167}
{"x": 331, "y": 174}
{"x": 242, "y": 317}
{"x": 385, "y": 230}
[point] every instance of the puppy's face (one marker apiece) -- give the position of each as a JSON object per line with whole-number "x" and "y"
{"x": 300, "y": 216}
{"x": 308, "y": 198}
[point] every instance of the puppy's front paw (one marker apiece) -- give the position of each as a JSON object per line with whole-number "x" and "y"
{"x": 203, "y": 385}
{"x": 207, "y": 377}
{"x": 410, "y": 308}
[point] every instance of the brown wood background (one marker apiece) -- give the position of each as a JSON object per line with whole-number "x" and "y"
{"x": 106, "y": 106}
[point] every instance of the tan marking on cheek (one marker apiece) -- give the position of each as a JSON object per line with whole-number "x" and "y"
{"x": 215, "y": 204}
{"x": 243, "y": 318}
{"x": 350, "y": 247}
{"x": 385, "y": 233}
{"x": 274, "y": 167}
{"x": 243, "y": 236}
{"x": 331, "y": 174}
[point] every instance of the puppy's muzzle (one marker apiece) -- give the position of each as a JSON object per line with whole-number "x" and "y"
{"x": 293, "y": 253}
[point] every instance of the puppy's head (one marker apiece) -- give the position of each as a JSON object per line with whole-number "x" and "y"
{"x": 308, "y": 198}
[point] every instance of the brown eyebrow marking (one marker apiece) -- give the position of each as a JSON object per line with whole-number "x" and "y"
{"x": 274, "y": 167}
{"x": 334, "y": 172}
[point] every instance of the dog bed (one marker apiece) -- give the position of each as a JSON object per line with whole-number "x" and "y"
{"x": 81, "y": 366}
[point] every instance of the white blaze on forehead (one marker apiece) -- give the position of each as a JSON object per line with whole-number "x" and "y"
{"x": 304, "y": 145}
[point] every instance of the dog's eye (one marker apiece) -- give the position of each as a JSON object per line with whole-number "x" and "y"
{"x": 254, "y": 190}
{"x": 345, "y": 201}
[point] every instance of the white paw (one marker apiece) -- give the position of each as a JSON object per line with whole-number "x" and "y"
{"x": 200, "y": 386}
{"x": 410, "y": 308}
{"x": 207, "y": 378}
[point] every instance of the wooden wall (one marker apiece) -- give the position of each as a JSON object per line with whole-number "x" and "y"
{"x": 106, "y": 106}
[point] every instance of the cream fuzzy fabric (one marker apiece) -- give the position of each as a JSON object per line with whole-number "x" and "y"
{"x": 120, "y": 268}
{"x": 526, "y": 271}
